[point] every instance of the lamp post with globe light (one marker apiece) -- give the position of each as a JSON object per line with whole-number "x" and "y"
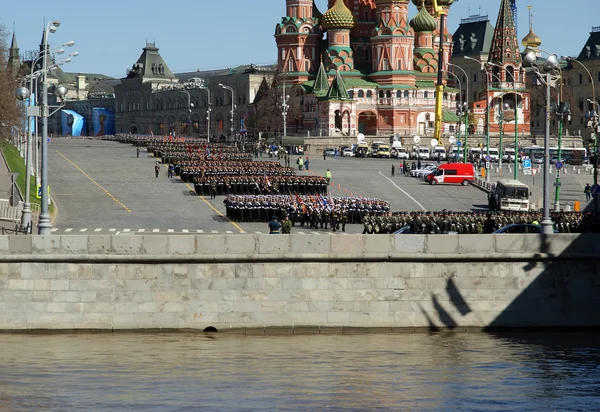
{"x": 547, "y": 73}
{"x": 232, "y": 105}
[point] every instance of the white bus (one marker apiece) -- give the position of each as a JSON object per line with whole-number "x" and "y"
{"x": 494, "y": 154}
{"x": 507, "y": 194}
{"x": 508, "y": 155}
{"x": 439, "y": 152}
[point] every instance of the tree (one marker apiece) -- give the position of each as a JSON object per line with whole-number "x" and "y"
{"x": 10, "y": 111}
{"x": 265, "y": 113}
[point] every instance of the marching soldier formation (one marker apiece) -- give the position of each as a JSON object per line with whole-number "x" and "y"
{"x": 472, "y": 222}
{"x": 310, "y": 211}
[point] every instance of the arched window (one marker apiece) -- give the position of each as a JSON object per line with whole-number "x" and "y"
{"x": 381, "y": 93}
{"x": 406, "y": 93}
{"x": 369, "y": 94}
{"x": 398, "y": 94}
{"x": 445, "y": 96}
{"x": 425, "y": 94}
{"x": 351, "y": 94}
{"x": 510, "y": 74}
{"x": 361, "y": 94}
{"x": 388, "y": 94}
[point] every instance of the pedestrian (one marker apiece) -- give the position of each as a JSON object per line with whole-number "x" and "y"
{"x": 274, "y": 226}
{"x": 588, "y": 192}
{"x": 171, "y": 170}
{"x": 306, "y": 164}
{"x": 286, "y": 226}
{"x": 157, "y": 169}
{"x": 137, "y": 152}
{"x": 300, "y": 163}
{"x": 324, "y": 154}
{"x": 393, "y": 169}
{"x": 328, "y": 176}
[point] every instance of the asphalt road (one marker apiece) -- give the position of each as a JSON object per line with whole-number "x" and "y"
{"x": 101, "y": 187}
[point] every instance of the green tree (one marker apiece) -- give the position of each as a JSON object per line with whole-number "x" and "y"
{"x": 10, "y": 111}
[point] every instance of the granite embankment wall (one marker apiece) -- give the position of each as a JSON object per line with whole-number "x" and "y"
{"x": 298, "y": 283}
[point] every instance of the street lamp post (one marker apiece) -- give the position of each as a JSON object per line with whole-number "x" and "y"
{"x": 23, "y": 94}
{"x": 232, "y": 104}
{"x": 189, "y": 106}
{"x": 284, "y": 110}
{"x": 463, "y": 110}
{"x": 45, "y": 225}
{"x": 549, "y": 78}
{"x": 487, "y": 110}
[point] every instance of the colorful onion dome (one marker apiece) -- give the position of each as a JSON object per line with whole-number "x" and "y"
{"x": 532, "y": 40}
{"x": 423, "y": 21}
{"x": 338, "y": 17}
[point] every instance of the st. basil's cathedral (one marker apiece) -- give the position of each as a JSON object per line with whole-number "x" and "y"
{"x": 367, "y": 67}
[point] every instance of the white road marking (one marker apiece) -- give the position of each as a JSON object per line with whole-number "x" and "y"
{"x": 229, "y": 231}
{"x": 155, "y": 230}
{"x": 258, "y": 233}
{"x": 54, "y": 230}
{"x": 241, "y": 231}
{"x": 185, "y": 231}
{"x": 214, "y": 231}
{"x": 316, "y": 233}
{"x": 404, "y": 191}
{"x": 112, "y": 230}
{"x": 199, "y": 231}
{"x": 83, "y": 230}
{"x": 170, "y": 231}
{"x": 580, "y": 182}
{"x": 141, "y": 230}
{"x": 97, "y": 230}
{"x": 301, "y": 233}
{"x": 68, "y": 230}
{"x": 126, "y": 230}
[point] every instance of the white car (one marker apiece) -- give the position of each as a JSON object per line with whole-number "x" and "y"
{"x": 423, "y": 171}
{"x": 348, "y": 152}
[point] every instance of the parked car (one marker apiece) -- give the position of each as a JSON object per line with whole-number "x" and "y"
{"x": 348, "y": 152}
{"x": 461, "y": 173}
{"x": 521, "y": 228}
{"x": 538, "y": 160}
{"x": 330, "y": 151}
{"x": 423, "y": 171}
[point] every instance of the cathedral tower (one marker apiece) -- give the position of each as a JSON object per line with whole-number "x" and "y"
{"x": 393, "y": 40}
{"x": 298, "y": 38}
{"x": 338, "y": 21}
{"x": 424, "y": 54}
{"x": 14, "y": 58}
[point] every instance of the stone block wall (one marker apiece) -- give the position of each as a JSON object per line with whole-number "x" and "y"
{"x": 298, "y": 283}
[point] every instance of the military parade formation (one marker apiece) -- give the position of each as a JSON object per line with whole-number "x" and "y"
{"x": 311, "y": 211}
{"x": 259, "y": 191}
{"x": 474, "y": 222}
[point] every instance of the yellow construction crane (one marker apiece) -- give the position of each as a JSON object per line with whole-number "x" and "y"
{"x": 441, "y": 14}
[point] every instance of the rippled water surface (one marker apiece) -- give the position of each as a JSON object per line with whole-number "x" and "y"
{"x": 442, "y": 372}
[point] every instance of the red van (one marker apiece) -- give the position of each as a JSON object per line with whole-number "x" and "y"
{"x": 461, "y": 173}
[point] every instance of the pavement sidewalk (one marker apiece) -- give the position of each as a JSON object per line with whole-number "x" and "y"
{"x": 5, "y": 180}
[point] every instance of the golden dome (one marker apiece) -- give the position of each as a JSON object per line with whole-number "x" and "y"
{"x": 532, "y": 40}
{"x": 338, "y": 17}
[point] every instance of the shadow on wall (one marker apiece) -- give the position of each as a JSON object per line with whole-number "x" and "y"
{"x": 566, "y": 292}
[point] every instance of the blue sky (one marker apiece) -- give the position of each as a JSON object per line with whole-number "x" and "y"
{"x": 207, "y": 34}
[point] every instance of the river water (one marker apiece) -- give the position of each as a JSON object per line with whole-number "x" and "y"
{"x": 420, "y": 372}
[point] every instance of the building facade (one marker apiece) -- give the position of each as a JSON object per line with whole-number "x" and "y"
{"x": 388, "y": 65}
{"x": 366, "y": 66}
{"x": 152, "y": 100}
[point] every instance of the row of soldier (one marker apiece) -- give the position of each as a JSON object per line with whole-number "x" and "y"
{"x": 306, "y": 210}
{"x": 473, "y": 222}
{"x": 260, "y": 185}
{"x": 190, "y": 170}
